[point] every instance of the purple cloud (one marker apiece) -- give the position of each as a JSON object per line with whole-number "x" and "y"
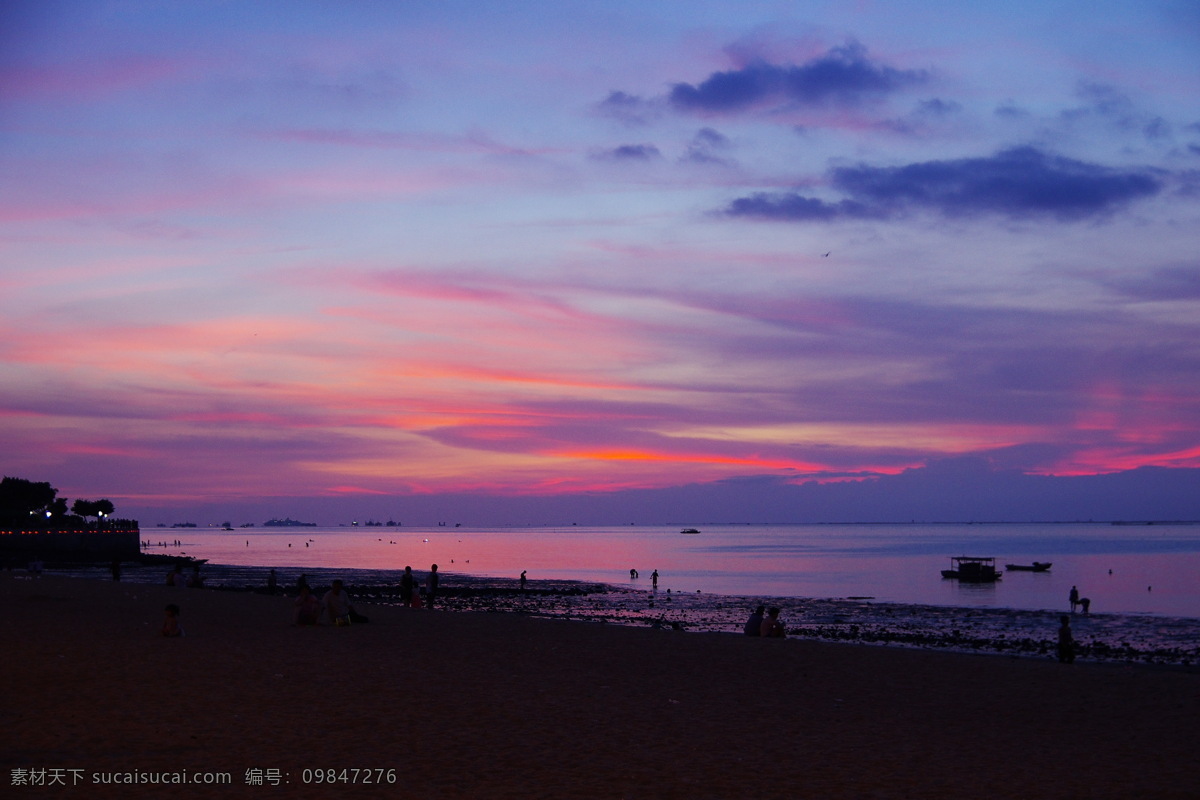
{"x": 1168, "y": 283}
{"x": 705, "y": 146}
{"x": 843, "y": 76}
{"x": 792, "y": 207}
{"x": 626, "y": 107}
{"x": 632, "y": 152}
{"x": 1021, "y": 182}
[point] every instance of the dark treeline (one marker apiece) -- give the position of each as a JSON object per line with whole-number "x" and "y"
{"x": 30, "y": 505}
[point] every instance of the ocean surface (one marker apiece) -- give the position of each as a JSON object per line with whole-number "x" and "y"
{"x": 865, "y": 584}
{"x": 1123, "y": 569}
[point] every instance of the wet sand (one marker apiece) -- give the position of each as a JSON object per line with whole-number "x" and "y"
{"x": 484, "y": 705}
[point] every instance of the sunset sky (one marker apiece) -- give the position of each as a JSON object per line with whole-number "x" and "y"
{"x": 370, "y": 249}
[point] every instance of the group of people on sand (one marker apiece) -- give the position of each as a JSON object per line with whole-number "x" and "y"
{"x": 338, "y": 607}
{"x": 765, "y": 622}
{"x": 410, "y": 593}
{"x": 176, "y": 577}
{"x": 336, "y": 604}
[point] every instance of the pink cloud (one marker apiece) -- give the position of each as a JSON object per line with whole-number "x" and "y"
{"x": 88, "y": 80}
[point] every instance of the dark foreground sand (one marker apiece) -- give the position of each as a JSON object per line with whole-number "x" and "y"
{"x": 479, "y": 705}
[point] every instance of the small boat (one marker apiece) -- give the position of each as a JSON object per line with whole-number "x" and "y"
{"x": 972, "y": 569}
{"x": 1037, "y": 566}
{"x": 689, "y": 530}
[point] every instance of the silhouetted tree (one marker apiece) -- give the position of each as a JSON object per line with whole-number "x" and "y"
{"x": 26, "y": 504}
{"x": 20, "y": 499}
{"x": 92, "y": 508}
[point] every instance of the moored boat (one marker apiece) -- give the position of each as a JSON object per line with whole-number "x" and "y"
{"x": 689, "y": 530}
{"x": 972, "y": 569}
{"x": 1037, "y": 566}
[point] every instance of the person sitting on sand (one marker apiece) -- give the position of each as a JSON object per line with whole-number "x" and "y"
{"x": 171, "y": 623}
{"x": 307, "y": 607}
{"x": 175, "y": 577}
{"x": 337, "y": 603}
{"x": 754, "y": 624}
{"x": 771, "y": 626}
{"x": 1066, "y": 642}
{"x": 195, "y": 581}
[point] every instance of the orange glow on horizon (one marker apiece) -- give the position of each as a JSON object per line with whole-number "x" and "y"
{"x": 642, "y": 455}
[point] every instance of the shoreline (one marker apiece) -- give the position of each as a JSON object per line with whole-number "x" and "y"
{"x": 479, "y": 704}
{"x": 1101, "y": 637}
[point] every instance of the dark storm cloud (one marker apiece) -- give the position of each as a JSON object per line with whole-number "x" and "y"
{"x": 844, "y": 76}
{"x": 1022, "y": 182}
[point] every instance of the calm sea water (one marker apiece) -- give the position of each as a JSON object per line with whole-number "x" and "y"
{"x": 1130, "y": 569}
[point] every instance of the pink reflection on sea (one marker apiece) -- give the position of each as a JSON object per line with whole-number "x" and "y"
{"x": 1153, "y": 568}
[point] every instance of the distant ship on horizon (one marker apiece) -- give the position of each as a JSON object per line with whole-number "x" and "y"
{"x": 288, "y": 522}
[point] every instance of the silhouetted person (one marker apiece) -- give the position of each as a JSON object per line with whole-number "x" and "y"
{"x": 523, "y": 580}
{"x": 171, "y": 623}
{"x": 1066, "y": 642}
{"x": 116, "y": 570}
{"x": 654, "y": 578}
{"x": 633, "y": 574}
{"x": 337, "y": 603}
{"x": 1074, "y": 598}
{"x": 306, "y": 606}
{"x": 407, "y": 582}
{"x": 1086, "y": 605}
{"x": 771, "y": 626}
{"x": 431, "y": 586}
{"x": 754, "y": 624}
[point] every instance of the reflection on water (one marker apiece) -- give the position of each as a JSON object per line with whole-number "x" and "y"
{"x": 1125, "y": 569}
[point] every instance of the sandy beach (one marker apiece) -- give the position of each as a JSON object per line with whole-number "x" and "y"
{"x": 483, "y": 705}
